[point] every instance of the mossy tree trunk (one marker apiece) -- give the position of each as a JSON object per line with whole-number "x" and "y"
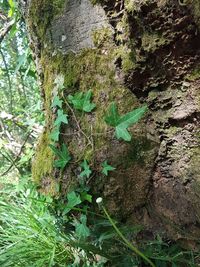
{"x": 130, "y": 52}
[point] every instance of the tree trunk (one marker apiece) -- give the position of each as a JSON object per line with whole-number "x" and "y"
{"x": 130, "y": 52}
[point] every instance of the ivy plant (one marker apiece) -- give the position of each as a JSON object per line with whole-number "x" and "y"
{"x": 121, "y": 123}
{"x": 81, "y": 229}
{"x": 82, "y": 101}
{"x": 56, "y": 102}
{"x": 73, "y": 200}
{"x": 61, "y": 118}
{"x": 107, "y": 168}
{"x": 86, "y": 169}
{"x": 62, "y": 154}
{"x": 54, "y": 135}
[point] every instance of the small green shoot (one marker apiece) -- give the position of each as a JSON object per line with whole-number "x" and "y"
{"x": 86, "y": 169}
{"x": 121, "y": 123}
{"x": 62, "y": 154}
{"x": 126, "y": 241}
{"x": 56, "y": 102}
{"x": 81, "y": 229}
{"x": 107, "y": 168}
{"x": 73, "y": 200}
{"x": 54, "y": 135}
{"x": 82, "y": 101}
{"x": 61, "y": 118}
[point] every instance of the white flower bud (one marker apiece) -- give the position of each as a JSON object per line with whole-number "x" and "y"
{"x": 99, "y": 200}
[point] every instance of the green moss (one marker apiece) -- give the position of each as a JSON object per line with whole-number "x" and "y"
{"x": 195, "y": 74}
{"x": 140, "y": 150}
{"x": 97, "y": 2}
{"x": 172, "y": 131}
{"x": 43, "y": 162}
{"x": 102, "y": 36}
{"x": 151, "y": 41}
{"x": 93, "y": 69}
{"x": 194, "y": 5}
{"x": 41, "y": 14}
{"x": 129, "y": 5}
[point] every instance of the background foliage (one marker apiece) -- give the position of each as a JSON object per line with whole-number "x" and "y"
{"x": 21, "y": 118}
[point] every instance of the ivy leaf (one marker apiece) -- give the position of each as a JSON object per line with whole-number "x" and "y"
{"x": 112, "y": 117}
{"x": 56, "y": 102}
{"x": 61, "y": 118}
{"x": 82, "y": 101}
{"x": 121, "y": 123}
{"x": 73, "y": 200}
{"x": 127, "y": 120}
{"x": 81, "y": 229}
{"x": 87, "y": 105}
{"x": 55, "y": 134}
{"x": 107, "y": 168}
{"x": 86, "y": 169}
{"x": 122, "y": 132}
{"x": 132, "y": 117}
{"x": 62, "y": 154}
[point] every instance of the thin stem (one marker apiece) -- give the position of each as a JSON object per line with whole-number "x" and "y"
{"x": 133, "y": 248}
{"x": 77, "y": 123}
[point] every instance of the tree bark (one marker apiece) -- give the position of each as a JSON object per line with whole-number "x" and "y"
{"x": 130, "y": 52}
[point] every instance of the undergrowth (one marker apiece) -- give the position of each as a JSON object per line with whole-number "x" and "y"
{"x": 39, "y": 231}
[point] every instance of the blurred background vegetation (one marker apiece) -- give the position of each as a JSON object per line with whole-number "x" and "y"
{"x": 21, "y": 119}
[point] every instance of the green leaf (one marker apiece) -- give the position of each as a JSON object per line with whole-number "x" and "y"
{"x": 12, "y": 8}
{"x": 61, "y": 118}
{"x": 81, "y": 229}
{"x": 73, "y": 200}
{"x": 87, "y": 197}
{"x": 82, "y": 101}
{"x": 132, "y": 117}
{"x": 122, "y": 132}
{"x": 57, "y": 102}
{"x": 11, "y": 3}
{"x": 112, "y": 117}
{"x": 62, "y": 154}
{"x": 121, "y": 123}
{"x": 86, "y": 169}
{"x": 107, "y": 168}
{"x": 55, "y": 134}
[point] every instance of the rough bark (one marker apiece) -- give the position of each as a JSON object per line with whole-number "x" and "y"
{"x": 129, "y": 52}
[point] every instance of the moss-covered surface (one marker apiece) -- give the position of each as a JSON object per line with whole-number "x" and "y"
{"x": 159, "y": 65}
{"x": 194, "y": 74}
{"x": 41, "y": 14}
{"x": 43, "y": 166}
{"x": 195, "y": 9}
{"x": 93, "y": 69}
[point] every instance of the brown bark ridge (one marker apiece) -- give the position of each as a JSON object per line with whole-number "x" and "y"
{"x": 130, "y": 52}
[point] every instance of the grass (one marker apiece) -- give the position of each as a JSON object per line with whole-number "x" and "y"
{"x": 30, "y": 236}
{"x": 33, "y": 235}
